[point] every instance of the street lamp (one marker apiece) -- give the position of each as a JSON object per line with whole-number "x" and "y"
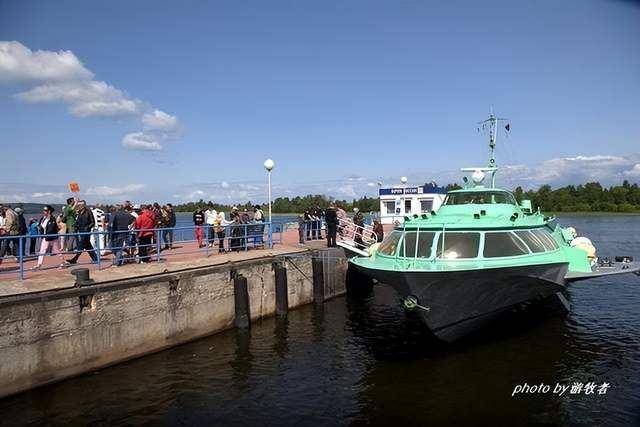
{"x": 403, "y": 180}
{"x": 268, "y": 165}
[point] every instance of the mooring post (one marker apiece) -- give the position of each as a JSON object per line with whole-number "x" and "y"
{"x": 318, "y": 279}
{"x": 241, "y": 299}
{"x": 282, "y": 289}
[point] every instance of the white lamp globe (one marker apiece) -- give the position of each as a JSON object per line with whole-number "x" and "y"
{"x": 269, "y": 164}
{"x": 477, "y": 176}
{"x": 403, "y": 179}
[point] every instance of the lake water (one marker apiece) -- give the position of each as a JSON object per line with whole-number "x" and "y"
{"x": 361, "y": 361}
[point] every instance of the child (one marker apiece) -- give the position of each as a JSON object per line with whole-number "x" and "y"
{"x": 33, "y": 231}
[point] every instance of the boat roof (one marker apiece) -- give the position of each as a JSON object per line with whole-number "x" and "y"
{"x": 477, "y": 216}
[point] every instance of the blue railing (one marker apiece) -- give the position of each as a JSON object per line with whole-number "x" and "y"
{"x": 129, "y": 245}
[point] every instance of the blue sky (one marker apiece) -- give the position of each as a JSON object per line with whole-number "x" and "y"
{"x": 339, "y": 93}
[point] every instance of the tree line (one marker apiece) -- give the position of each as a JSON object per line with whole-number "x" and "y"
{"x": 590, "y": 197}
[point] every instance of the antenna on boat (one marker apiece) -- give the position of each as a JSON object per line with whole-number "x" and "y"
{"x": 492, "y": 123}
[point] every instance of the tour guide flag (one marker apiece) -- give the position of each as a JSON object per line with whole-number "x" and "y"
{"x": 74, "y": 187}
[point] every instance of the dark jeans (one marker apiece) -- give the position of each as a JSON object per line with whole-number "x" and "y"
{"x": 143, "y": 248}
{"x": 167, "y": 236}
{"x": 84, "y": 244}
{"x": 33, "y": 242}
{"x": 212, "y": 234}
{"x": 301, "y": 234}
{"x": 117, "y": 246}
{"x": 331, "y": 236}
{"x": 220, "y": 235}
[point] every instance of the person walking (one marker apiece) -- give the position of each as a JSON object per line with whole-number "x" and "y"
{"x": 378, "y": 231}
{"x": 69, "y": 218}
{"x": 62, "y": 229}
{"x": 120, "y": 224}
{"x": 219, "y": 228}
{"x": 169, "y": 223}
{"x": 198, "y": 221}
{"x": 50, "y": 241}
{"x": 307, "y": 223}
{"x": 10, "y": 229}
{"x": 22, "y": 230}
{"x": 210, "y": 219}
{"x": 358, "y": 220}
{"x": 33, "y": 231}
{"x": 301, "y": 231}
{"x": 331, "y": 217}
{"x": 85, "y": 223}
{"x": 144, "y": 225}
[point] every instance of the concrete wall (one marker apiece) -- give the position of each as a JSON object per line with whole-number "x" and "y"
{"x": 46, "y": 337}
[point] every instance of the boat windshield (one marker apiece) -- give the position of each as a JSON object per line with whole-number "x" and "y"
{"x": 480, "y": 197}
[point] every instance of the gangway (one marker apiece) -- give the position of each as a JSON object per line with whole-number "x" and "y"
{"x": 355, "y": 238}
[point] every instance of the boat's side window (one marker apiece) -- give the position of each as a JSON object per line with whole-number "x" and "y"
{"x": 503, "y": 244}
{"x": 458, "y": 245}
{"x": 532, "y": 241}
{"x": 425, "y": 241}
{"x": 390, "y": 243}
{"x": 408, "y": 245}
{"x": 544, "y": 236}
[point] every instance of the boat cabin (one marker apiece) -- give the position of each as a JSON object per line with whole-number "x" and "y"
{"x": 466, "y": 244}
{"x": 398, "y": 202}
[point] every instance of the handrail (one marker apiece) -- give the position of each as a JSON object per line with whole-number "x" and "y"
{"x": 360, "y": 237}
{"x": 103, "y": 242}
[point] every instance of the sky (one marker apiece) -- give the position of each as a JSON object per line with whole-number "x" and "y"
{"x": 177, "y": 101}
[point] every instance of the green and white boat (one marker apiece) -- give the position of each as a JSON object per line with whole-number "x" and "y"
{"x": 480, "y": 255}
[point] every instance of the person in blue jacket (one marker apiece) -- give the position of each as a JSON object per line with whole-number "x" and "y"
{"x": 33, "y": 232}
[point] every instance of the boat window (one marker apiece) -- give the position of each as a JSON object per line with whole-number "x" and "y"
{"x": 408, "y": 245}
{"x": 503, "y": 244}
{"x": 544, "y": 236}
{"x": 458, "y": 245}
{"x": 425, "y": 241}
{"x": 480, "y": 197}
{"x": 532, "y": 241}
{"x": 390, "y": 243}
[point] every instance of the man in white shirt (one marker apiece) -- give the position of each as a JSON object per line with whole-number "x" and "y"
{"x": 210, "y": 216}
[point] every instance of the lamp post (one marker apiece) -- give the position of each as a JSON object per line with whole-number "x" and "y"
{"x": 403, "y": 180}
{"x": 268, "y": 165}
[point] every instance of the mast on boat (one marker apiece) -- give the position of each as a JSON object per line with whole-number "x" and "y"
{"x": 492, "y": 124}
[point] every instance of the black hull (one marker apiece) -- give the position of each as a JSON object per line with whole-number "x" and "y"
{"x": 459, "y": 302}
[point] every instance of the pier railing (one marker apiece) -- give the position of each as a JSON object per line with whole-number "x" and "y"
{"x": 25, "y": 253}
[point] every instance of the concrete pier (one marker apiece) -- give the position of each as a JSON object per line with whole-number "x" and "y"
{"x": 55, "y": 334}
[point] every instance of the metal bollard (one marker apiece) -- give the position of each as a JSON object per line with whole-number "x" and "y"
{"x": 241, "y": 299}
{"x": 282, "y": 290}
{"x": 318, "y": 280}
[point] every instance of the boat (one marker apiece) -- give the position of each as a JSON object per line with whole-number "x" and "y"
{"x": 481, "y": 254}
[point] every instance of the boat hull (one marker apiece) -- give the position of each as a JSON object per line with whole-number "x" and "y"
{"x": 456, "y": 303}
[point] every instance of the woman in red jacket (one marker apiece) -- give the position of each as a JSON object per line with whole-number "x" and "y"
{"x": 145, "y": 224}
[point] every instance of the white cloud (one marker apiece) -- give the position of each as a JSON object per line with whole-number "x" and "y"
{"x": 634, "y": 172}
{"x": 141, "y": 141}
{"x": 224, "y": 184}
{"x": 18, "y": 63}
{"x": 105, "y": 191}
{"x": 48, "y": 195}
{"x": 60, "y": 77}
{"x": 159, "y": 120}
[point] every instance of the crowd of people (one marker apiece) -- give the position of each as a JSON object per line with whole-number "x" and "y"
{"x": 132, "y": 232}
